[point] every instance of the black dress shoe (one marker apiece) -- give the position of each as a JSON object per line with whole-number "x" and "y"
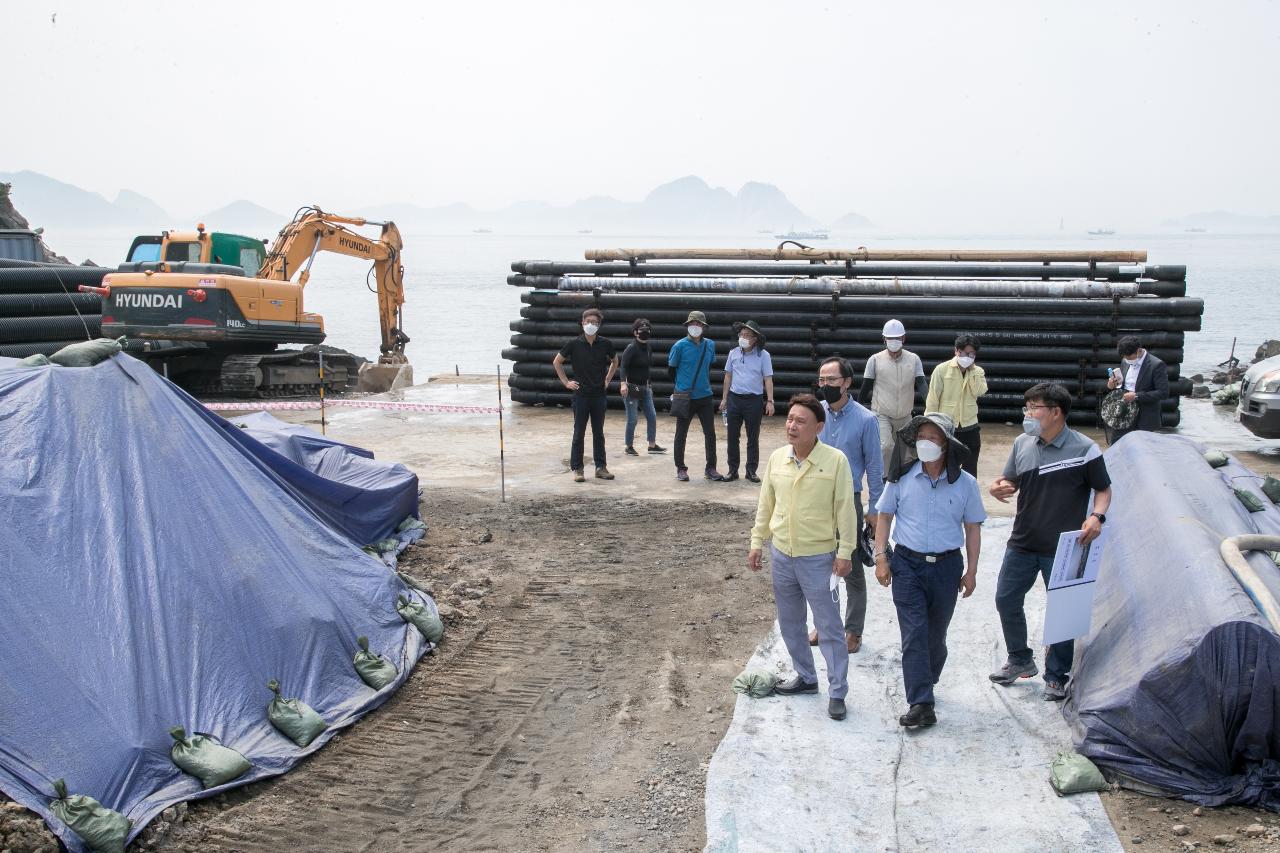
{"x": 794, "y": 686}
{"x": 920, "y": 715}
{"x": 751, "y": 475}
{"x": 731, "y": 476}
{"x": 835, "y": 709}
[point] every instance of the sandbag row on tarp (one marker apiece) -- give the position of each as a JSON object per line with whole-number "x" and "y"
{"x": 191, "y": 575}
{"x": 1176, "y": 688}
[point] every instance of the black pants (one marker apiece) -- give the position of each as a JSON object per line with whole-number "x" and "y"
{"x": 704, "y": 409}
{"x": 971, "y": 437}
{"x": 745, "y": 409}
{"x": 583, "y": 408}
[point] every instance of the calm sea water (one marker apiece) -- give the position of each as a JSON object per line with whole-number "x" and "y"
{"x": 458, "y": 304}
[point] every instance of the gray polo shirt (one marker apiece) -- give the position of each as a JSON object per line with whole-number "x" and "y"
{"x": 1054, "y": 482}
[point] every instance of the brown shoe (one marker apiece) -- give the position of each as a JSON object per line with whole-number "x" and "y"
{"x": 603, "y": 474}
{"x": 853, "y": 642}
{"x": 813, "y": 637}
{"x": 578, "y": 477}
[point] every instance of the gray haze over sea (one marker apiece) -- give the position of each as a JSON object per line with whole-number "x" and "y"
{"x": 458, "y": 304}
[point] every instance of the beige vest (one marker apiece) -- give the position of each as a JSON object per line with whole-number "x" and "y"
{"x": 895, "y": 391}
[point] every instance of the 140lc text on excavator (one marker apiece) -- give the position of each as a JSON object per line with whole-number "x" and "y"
{"x": 211, "y": 309}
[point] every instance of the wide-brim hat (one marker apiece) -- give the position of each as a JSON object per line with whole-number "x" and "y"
{"x": 696, "y": 317}
{"x": 904, "y": 447}
{"x": 1117, "y": 412}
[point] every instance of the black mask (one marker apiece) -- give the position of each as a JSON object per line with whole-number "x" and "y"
{"x": 643, "y": 335}
{"x": 830, "y": 393}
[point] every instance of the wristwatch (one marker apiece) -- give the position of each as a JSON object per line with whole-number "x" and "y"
{"x": 1102, "y": 519}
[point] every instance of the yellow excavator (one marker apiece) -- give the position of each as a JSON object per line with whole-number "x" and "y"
{"x": 210, "y": 309}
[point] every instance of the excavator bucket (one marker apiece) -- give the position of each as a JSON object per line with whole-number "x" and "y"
{"x": 380, "y": 378}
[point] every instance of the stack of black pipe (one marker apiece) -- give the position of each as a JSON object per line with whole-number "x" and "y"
{"x": 1044, "y": 322}
{"x": 41, "y": 308}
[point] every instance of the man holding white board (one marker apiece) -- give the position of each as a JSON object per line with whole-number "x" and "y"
{"x": 1053, "y": 470}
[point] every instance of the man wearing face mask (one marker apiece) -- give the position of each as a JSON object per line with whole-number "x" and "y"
{"x": 1053, "y": 470}
{"x": 689, "y": 364}
{"x": 806, "y": 511}
{"x": 1146, "y": 382}
{"x": 954, "y": 389}
{"x": 636, "y": 388}
{"x": 934, "y": 507}
{"x": 747, "y": 397}
{"x": 593, "y": 362}
{"x": 852, "y": 429}
{"x": 891, "y": 381}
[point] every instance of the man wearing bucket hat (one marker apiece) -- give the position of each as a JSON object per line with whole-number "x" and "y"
{"x": 934, "y": 508}
{"x": 891, "y": 381}
{"x": 747, "y": 396}
{"x": 689, "y": 364}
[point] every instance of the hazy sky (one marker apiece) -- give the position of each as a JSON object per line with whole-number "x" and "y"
{"x": 917, "y": 115}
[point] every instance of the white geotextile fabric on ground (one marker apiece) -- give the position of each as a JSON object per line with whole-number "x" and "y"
{"x": 786, "y": 777}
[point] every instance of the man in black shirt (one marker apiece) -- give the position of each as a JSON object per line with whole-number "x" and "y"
{"x": 593, "y": 362}
{"x": 1053, "y": 470}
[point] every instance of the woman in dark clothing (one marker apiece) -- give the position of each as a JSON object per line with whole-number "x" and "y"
{"x": 634, "y": 371}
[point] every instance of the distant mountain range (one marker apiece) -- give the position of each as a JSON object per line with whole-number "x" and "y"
{"x": 686, "y": 205}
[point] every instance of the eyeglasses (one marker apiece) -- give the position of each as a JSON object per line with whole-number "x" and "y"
{"x": 1026, "y": 410}
{"x": 830, "y": 380}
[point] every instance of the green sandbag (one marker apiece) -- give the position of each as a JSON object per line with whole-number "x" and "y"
{"x": 1072, "y": 773}
{"x": 375, "y": 670}
{"x": 1215, "y": 458}
{"x": 411, "y": 523}
{"x": 754, "y": 683}
{"x": 86, "y": 353}
{"x": 1251, "y": 502}
{"x": 1271, "y": 488}
{"x": 382, "y": 546}
{"x": 207, "y": 760}
{"x": 102, "y": 829}
{"x": 294, "y": 718}
{"x": 417, "y": 615}
{"x": 37, "y": 360}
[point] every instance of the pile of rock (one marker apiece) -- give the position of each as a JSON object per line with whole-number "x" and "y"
{"x": 1227, "y": 380}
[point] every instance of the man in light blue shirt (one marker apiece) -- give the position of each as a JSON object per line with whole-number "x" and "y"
{"x": 852, "y": 429}
{"x": 935, "y": 507}
{"x": 747, "y": 396}
{"x": 689, "y": 364}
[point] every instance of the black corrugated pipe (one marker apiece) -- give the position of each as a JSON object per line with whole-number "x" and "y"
{"x": 20, "y": 329}
{"x": 23, "y": 350}
{"x": 47, "y": 304}
{"x": 49, "y": 279}
{"x": 942, "y": 269}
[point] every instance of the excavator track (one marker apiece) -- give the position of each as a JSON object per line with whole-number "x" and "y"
{"x": 285, "y": 373}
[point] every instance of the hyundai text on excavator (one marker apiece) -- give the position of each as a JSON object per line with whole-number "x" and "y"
{"x": 210, "y": 309}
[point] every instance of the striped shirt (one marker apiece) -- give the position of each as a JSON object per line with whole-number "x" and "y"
{"x": 1054, "y": 482}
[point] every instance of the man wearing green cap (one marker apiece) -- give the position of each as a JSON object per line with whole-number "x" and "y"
{"x": 689, "y": 364}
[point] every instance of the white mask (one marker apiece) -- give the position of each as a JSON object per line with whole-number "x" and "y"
{"x": 695, "y": 331}
{"x": 893, "y": 345}
{"x": 965, "y": 361}
{"x": 1131, "y": 361}
{"x": 744, "y": 343}
{"x": 590, "y": 328}
{"x": 1030, "y": 425}
{"x": 928, "y": 451}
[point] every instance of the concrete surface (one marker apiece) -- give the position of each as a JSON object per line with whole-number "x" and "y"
{"x": 786, "y": 777}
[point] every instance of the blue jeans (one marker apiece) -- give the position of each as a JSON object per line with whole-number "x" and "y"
{"x": 633, "y": 401}
{"x": 1018, "y": 574}
{"x": 924, "y": 595}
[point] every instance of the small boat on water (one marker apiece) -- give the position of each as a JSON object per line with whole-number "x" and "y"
{"x": 1195, "y": 230}
{"x": 481, "y": 230}
{"x": 1102, "y": 232}
{"x": 584, "y": 230}
{"x": 815, "y": 234}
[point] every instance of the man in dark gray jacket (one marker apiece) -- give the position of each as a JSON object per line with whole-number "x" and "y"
{"x": 1145, "y": 379}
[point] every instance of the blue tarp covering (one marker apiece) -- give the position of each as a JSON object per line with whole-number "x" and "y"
{"x": 157, "y": 573}
{"x": 1177, "y": 686}
{"x": 342, "y": 484}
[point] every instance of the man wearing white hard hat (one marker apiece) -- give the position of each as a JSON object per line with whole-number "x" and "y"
{"x": 890, "y": 384}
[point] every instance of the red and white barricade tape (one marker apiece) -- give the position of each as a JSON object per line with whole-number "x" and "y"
{"x": 385, "y": 405}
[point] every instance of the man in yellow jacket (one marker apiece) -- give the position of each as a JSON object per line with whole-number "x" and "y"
{"x": 954, "y": 389}
{"x": 807, "y": 511}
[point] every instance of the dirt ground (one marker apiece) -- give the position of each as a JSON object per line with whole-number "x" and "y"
{"x": 583, "y": 684}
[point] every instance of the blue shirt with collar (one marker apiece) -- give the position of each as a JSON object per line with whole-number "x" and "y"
{"x": 684, "y": 357}
{"x": 928, "y": 515}
{"x": 748, "y": 369}
{"x": 855, "y": 432}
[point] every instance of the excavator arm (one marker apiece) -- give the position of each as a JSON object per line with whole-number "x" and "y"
{"x": 313, "y": 231}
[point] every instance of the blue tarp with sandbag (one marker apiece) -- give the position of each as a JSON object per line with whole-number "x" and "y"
{"x": 1176, "y": 689}
{"x": 160, "y": 568}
